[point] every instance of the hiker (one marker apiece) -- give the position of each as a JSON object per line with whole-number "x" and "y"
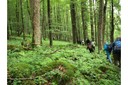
{"x": 87, "y": 41}
{"x": 81, "y": 42}
{"x": 108, "y": 49}
{"x": 90, "y": 45}
{"x": 116, "y": 47}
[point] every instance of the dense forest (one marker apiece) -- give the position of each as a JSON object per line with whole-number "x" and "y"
{"x": 47, "y": 42}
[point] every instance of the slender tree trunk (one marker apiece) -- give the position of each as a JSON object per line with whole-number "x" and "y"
{"x": 91, "y": 21}
{"x": 100, "y": 26}
{"x": 107, "y": 32}
{"x": 10, "y": 27}
{"x": 29, "y": 13}
{"x": 84, "y": 13}
{"x": 17, "y": 18}
{"x": 36, "y": 23}
{"x": 8, "y": 24}
{"x": 78, "y": 24}
{"x": 22, "y": 19}
{"x": 104, "y": 20}
{"x": 58, "y": 20}
{"x": 67, "y": 24}
{"x": 112, "y": 24}
{"x": 43, "y": 21}
{"x": 73, "y": 19}
{"x": 95, "y": 21}
{"x": 28, "y": 9}
{"x": 42, "y": 29}
{"x": 107, "y": 28}
{"x": 8, "y": 34}
{"x": 49, "y": 22}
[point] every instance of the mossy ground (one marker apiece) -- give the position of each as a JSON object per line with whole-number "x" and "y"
{"x": 62, "y": 64}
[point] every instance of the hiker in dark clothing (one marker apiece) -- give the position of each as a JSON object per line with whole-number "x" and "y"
{"x": 108, "y": 49}
{"x": 90, "y": 45}
{"x": 116, "y": 47}
{"x": 88, "y": 41}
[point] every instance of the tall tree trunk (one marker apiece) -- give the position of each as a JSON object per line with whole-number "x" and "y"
{"x": 91, "y": 21}
{"x": 49, "y": 22}
{"x": 73, "y": 19}
{"x": 10, "y": 27}
{"x": 17, "y": 18}
{"x": 8, "y": 24}
{"x": 29, "y": 13}
{"x": 107, "y": 32}
{"x": 8, "y": 34}
{"x": 22, "y": 19}
{"x": 28, "y": 9}
{"x": 95, "y": 20}
{"x": 104, "y": 20}
{"x": 58, "y": 20}
{"x": 67, "y": 24}
{"x": 84, "y": 13}
{"x": 100, "y": 26}
{"x": 78, "y": 24}
{"x": 43, "y": 21}
{"x": 36, "y": 23}
{"x": 112, "y": 25}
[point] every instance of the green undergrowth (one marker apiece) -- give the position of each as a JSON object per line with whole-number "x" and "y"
{"x": 62, "y": 64}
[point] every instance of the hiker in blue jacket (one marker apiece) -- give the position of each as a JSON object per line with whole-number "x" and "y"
{"x": 116, "y": 47}
{"x": 108, "y": 49}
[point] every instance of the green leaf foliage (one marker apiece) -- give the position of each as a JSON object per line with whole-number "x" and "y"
{"x": 62, "y": 64}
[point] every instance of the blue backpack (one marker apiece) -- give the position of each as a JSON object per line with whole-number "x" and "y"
{"x": 108, "y": 47}
{"x": 117, "y": 45}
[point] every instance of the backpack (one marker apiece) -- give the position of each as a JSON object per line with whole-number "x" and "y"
{"x": 105, "y": 46}
{"x": 117, "y": 45}
{"x": 109, "y": 47}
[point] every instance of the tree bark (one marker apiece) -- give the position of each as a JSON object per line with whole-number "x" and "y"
{"x": 67, "y": 25}
{"x": 104, "y": 20}
{"x": 78, "y": 24}
{"x": 49, "y": 22}
{"x": 73, "y": 19}
{"x": 17, "y": 18}
{"x": 95, "y": 21}
{"x": 29, "y": 13}
{"x": 91, "y": 21}
{"x": 43, "y": 21}
{"x": 112, "y": 24}
{"x": 58, "y": 20}
{"x": 100, "y": 26}
{"x": 22, "y": 19}
{"x": 8, "y": 24}
{"x": 36, "y": 23}
{"x": 84, "y": 13}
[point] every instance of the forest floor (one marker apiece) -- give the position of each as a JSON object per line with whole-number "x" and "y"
{"x": 62, "y": 64}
